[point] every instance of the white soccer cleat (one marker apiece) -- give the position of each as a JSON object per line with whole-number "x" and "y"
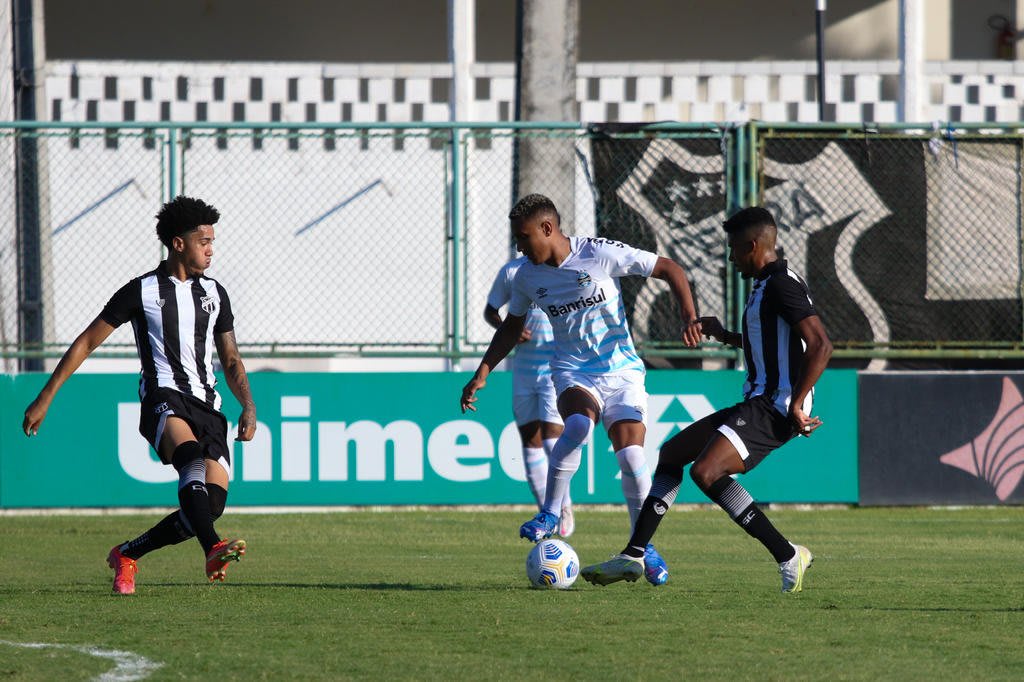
{"x": 566, "y": 523}
{"x": 619, "y": 567}
{"x": 793, "y": 570}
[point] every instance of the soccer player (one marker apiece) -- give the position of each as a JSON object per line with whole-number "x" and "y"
{"x": 178, "y": 315}
{"x": 786, "y": 350}
{"x": 596, "y": 371}
{"x": 534, "y": 403}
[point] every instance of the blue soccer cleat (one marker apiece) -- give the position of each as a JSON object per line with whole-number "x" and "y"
{"x": 655, "y": 568}
{"x": 540, "y": 527}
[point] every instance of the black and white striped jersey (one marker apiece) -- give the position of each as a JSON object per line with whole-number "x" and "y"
{"x": 175, "y": 323}
{"x": 778, "y": 300}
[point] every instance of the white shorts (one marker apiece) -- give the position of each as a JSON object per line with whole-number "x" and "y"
{"x": 619, "y": 396}
{"x": 534, "y": 399}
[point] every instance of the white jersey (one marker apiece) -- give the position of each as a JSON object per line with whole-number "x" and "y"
{"x": 532, "y": 358}
{"x": 583, "y": 300}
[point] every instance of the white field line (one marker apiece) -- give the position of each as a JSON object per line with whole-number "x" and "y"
{"x": 127, "y": 666}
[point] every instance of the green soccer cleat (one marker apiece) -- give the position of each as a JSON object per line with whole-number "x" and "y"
{"x": 619, "y": 567}
{"x": 793, "y": 570}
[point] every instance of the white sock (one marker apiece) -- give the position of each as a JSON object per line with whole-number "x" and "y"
{"x": 566, "y": 455}
{"x": 536, "y": 463}
{"x": 549, "y": 443}
{"x": 636, "y": 479}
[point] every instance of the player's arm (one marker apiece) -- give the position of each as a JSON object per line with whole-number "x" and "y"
{"x": 492, "y": 316}
{"x": 672, "y": 273}
{"x": 90, "y": 339}
{"x": 712, "y": 328}
{"x": 504, "y": 340}
{"x": 817, "y": 351}
{"x": 238, "y": 382}
{"x": 790, "y": 298}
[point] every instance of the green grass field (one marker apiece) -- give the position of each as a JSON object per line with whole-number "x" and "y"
{"x": 900, "y": 594}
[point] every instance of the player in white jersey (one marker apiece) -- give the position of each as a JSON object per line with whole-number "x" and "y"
{"x": 178, "y": 315}
{"x": 597, "y": 372}
{"x": 534, "y": 402}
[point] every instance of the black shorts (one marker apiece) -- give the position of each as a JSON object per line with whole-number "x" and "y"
{"x": 209, "y": 426}
{"x": 755, "y": 428}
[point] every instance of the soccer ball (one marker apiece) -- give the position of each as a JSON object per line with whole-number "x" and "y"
{"x": 553, "y": 564}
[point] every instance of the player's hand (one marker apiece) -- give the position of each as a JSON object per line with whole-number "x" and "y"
{"x": 803, "y": 424}
{"x": 247, "y": 424}
{"x": 691, "y": 333}
{"x": 712, "y": 328}
{"x": 34, "y": 415}
{"x": 525, "y": 336}
{"x": 469, "y": 393}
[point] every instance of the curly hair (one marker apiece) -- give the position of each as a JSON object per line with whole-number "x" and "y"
{"x": 532, "y": 205}
{"x": 181, "y": 215}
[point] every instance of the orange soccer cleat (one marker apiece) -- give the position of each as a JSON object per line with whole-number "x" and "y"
{"x": 218, "y": 557}
{"x": 124, "y": 571}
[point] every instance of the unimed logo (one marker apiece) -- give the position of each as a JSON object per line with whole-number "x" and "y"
{"x": 460, "y": 450}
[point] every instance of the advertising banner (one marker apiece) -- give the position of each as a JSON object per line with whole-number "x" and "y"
{"x": 382, "y": 439}
{"x": 900, "y": 239}
{"x": 941, "y": 438}
{"x": 666, "y": 195}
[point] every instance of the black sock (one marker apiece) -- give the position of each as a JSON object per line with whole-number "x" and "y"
{"x": 218, "y": 498}
{"x": 663, "y": 492}
{"x": 646, "y": 524}
{"x": 169, "y": 531}
{"x": 195, "y": 502}
{"x": 734, "y": 499}
{"x": 758, "y": 526}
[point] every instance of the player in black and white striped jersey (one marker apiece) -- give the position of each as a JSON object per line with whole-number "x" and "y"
{"x": 179, "y": 315}
{"x": 786, "y": 350}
